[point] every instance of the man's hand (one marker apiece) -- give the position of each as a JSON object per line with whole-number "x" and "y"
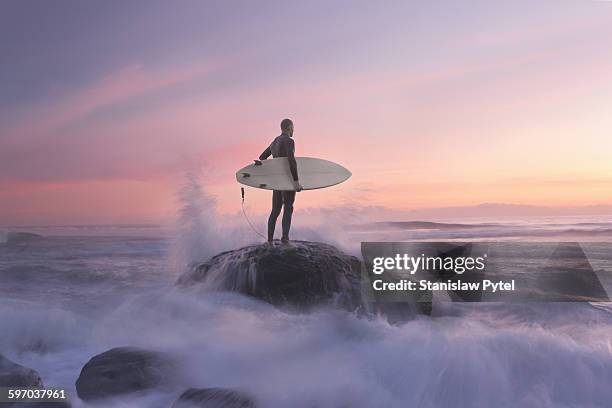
{"x": 298, "y": 186}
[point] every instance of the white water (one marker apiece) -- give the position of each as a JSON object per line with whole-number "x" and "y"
{"x": 64, "y": 299}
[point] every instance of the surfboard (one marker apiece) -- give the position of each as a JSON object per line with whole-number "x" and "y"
{"x": 274, "y": 174}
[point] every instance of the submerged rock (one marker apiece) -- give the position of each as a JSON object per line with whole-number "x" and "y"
{"x": 15, "y": 238}
{"x": 213, "y": 398}
{"x": 300, "y": 274}
{"x": 124, "y": 370}
{"x": 15, "y": 375}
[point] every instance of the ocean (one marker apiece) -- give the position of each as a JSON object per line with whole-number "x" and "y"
{"x": 79, "y": 291}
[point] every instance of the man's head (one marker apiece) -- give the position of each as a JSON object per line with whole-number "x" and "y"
{"x": 287, "y": 126}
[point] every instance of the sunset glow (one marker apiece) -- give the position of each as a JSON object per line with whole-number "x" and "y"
{"x": 98, "y": 123}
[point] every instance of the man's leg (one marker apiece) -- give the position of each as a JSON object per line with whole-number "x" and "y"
{"x": 288, "y": 199}
{"x": 277, "y": 203}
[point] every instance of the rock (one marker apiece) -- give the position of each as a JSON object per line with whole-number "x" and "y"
{"x": 213, "y": 398}
{"x": 14, "y": 238}
{"x": 124, "y": 370}
{"x": 300, "y": 274}
{"x": 15, "y": 375}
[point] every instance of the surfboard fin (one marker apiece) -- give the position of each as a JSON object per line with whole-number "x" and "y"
{"x": 245, "y": 175}
{"x": 262, "y": 185}
{"x": 258, "y": 162}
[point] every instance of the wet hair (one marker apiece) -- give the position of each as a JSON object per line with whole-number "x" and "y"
{"x": 285, "y": 123}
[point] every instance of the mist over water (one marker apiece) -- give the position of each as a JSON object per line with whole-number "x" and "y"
{"x": 64, "y": 299}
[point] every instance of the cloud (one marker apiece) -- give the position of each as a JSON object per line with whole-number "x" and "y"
{"x": 55, "y": 139}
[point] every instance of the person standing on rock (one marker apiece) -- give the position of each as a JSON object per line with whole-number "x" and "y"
{"x": 283, "y": 146}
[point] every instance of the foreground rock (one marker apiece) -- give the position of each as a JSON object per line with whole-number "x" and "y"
{"x": 213, "y": 398}
{"x": 300, "y": 274}
{"x": 15, "y": 375}
{"x": 124, "y": 370}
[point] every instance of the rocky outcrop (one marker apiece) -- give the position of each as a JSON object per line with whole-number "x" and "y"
{"x": 300, "y": 274}
{"x": 124, "y": 370}
{"x": 213, "y": 398}
{"x": 15, "y": 375}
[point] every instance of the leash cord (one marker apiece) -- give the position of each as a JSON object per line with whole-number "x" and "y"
{"x": 247, "y": 217}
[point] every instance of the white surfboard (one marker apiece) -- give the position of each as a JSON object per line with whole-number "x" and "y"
{"x": 274, "y": 174}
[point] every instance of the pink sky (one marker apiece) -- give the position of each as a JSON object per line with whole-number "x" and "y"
{"x": 514, "y": 112}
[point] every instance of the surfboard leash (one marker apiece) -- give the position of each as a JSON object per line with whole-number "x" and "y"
{"x": 247, "y": 217}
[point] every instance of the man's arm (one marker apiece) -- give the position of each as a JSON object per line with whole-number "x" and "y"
{"x": 266, "y": 153}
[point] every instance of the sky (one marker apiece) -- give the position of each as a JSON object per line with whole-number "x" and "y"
{"x": 105, "y": 105}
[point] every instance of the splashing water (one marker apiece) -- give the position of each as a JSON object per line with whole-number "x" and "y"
{"x": 198, "y": 233}
{"x": 64, "y": 300}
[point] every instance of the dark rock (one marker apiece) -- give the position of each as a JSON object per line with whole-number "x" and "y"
{"x": 15, "y": 375}
{"x": 300, "y": 274}
{"x": 124, "y": 370}
{"x": 14, "y": 238}
{"x": 213, "y": 398}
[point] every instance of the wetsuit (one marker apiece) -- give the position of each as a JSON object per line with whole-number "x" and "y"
{"x": 282, "y": 146}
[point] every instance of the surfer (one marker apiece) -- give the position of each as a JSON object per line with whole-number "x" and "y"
{"x": 283, "y": 146}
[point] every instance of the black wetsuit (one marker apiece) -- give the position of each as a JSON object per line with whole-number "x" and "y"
{"x": 282, "y": 146}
